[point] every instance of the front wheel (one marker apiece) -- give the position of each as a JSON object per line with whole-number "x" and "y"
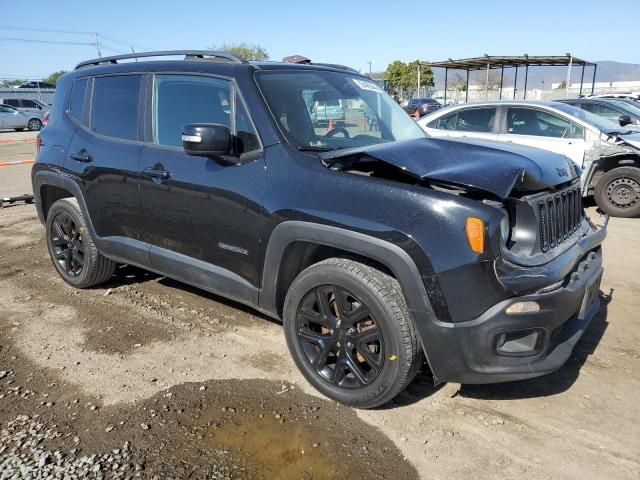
{"x": 618, "y": 192}
{"x": 350, "y": 333}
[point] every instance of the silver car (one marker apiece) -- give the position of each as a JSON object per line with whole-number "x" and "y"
{"x": 26, "y": 104}
{"x": 11, "y": 118}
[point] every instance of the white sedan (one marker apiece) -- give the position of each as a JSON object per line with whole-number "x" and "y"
{"x": 608, "y": 154}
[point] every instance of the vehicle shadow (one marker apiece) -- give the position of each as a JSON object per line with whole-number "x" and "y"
{"x": 556, "y": 382}
{"x": 169, "y": 282}
{"x": 128, "y": 275}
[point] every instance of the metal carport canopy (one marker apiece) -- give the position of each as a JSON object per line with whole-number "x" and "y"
{"x": 487, "y": 63}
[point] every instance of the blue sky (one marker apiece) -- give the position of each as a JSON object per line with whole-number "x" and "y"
{"x": 348, "y": 32}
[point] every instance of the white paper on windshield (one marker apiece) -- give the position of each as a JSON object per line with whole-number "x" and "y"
{"x": 366, "y": 85}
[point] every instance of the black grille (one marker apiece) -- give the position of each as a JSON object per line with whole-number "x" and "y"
{"x": 559, "y": 215}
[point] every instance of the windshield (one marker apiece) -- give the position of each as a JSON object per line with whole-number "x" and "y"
{"x": 600, "y": 123}
{"x": 627, "y": 107}
{"x": 323, "y": 110}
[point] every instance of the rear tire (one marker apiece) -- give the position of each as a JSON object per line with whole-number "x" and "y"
{"x": 34, "y": 125}
{"x": 618, "y": 192}
{"x": 72, "y": 249}
{"x": 350, "y": 332}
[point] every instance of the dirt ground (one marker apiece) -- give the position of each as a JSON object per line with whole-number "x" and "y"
{"x": 183, "y": 384}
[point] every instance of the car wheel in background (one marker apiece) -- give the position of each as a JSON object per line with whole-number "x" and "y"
{"x": 618, "y": 192}
{"x": 34, "y": 125}
{"x": 350, "y": 332}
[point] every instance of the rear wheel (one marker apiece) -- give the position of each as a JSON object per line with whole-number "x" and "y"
{"x": 618, "y": 192}
{"x": 34, "y": 125}
{"x": 350, "y": 332}
{"x": 72, "y": 250}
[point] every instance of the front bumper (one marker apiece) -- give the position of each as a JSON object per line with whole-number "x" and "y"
{"x": 469, "y": 352}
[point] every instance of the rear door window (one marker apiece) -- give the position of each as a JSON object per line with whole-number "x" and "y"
{"x": 29, "y": 104}
{"x": 479, "y": 119}
{"x": 114, "y": 108}
{"x": 13, "y": 102}
{"x": 476, "y": 119}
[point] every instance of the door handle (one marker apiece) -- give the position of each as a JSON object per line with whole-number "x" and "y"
{"x": 155, "y": 173}
{"x": 81, "y": 156}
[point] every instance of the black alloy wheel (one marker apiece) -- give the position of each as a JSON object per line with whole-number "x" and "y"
{"x": 350, "y": 332}
{"x": 67, "y": 244}
{"x": 339, "y": 337}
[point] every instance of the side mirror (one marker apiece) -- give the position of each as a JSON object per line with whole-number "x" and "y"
{"x": 624, "y": 120}
{"x": 206, "y": 140}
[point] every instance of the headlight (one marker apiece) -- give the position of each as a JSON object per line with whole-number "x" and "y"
{"x": 505, "y": 229}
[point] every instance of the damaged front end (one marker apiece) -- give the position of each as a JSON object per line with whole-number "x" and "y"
{"x": 620, "y": 149}
{"x": 519, "y": 313}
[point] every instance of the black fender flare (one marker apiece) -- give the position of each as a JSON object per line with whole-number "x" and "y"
{"x": 60, "y": 180}
{"x": 386, "y": 253}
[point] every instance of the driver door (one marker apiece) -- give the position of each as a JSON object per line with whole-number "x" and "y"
{"x": 538, "y": 128}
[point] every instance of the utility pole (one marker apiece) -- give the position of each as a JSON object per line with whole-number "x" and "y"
{"x": 369, "y": 62}
{"x": 419, "y": 72}
{"x": 486, "y": 84}
{"x": 97, "y": 44}
{"x": 566, "y": 89}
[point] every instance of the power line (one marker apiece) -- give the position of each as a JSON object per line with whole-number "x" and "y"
{"x": 76, "y": 32}
{"x": 45, "y": 30}
{"x": 31, "y": 40}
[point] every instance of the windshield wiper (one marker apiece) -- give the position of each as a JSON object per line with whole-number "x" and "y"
{"x": 315, "y": 149}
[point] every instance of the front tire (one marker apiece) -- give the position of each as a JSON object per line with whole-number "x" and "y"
{"x": 618, "y": 192}
{"x": 72, "y": 250}
{"x": 350, "y": 333}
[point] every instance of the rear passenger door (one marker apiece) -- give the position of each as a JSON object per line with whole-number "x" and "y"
{"x": 104, "y": 152}
{"x": 202, "y": 216}
{"x": 474, "y": 122}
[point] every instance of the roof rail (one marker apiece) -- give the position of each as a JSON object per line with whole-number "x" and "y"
{"x": 188, "y": 55}
{"x": 335, "y": 65}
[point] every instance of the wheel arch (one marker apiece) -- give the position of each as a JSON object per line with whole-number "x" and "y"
{"x": 294, "y": 245}
{"x": 49, "y": 187}
{"x": 604, "y": 165}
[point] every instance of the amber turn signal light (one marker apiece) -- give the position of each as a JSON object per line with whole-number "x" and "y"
{"x": 475, "y": 234}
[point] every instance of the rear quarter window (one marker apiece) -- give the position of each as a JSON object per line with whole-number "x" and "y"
{"x": 76, "y": 103}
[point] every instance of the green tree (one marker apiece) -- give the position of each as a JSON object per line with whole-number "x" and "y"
{"x": 562, "y": 85}
{"x": 248, "y": 51}
{"x": 11, "y": 83}
{"x": 404, "y": 76}
{"x": 53, "y": 78}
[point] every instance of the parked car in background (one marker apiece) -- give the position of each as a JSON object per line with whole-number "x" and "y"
{"x": 37, "y": 85}
{"x": 622, "y": 113}
{"x": 26, "y": 104}
{"x": 11, "y": 118}
{"x": 608, "y": 154}
{"x": 627, "y": 95}
{"x": 422, "y": 106}
{"x": 325, "y": 109}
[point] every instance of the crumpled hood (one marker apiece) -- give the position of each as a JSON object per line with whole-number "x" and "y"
{"x": 498, "y": 168}
{"x": 632, "y": 139}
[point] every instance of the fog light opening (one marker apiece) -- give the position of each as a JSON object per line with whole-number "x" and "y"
{"x": 522, "y": 307}
{"x": 520, "y": 343}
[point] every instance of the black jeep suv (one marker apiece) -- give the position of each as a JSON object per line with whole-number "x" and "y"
{"x": 379, "y": 249}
